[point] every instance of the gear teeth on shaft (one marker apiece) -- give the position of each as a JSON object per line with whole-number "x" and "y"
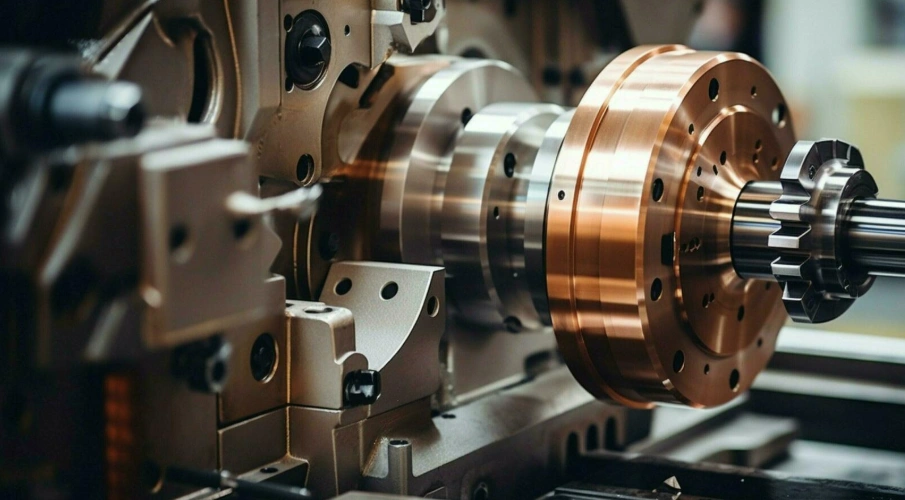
{"x": 819, "y": 180}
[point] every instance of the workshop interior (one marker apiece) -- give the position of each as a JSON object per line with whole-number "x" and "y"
{"x": 453, "y": 249}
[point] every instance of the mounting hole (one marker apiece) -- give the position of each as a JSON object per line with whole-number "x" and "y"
{"x": 714, "y": 89}
{"x": 263, "y": 359}
{"x": 347, "y": 30}
{"x": 715, "y": 170}
{"x": 496, "y": 212}
{"x": 760, "y": 342}
{"x": 512, "y": 324}
{"x": 779, "y": 115}
{"x": 691, "y": 129}
{"x": 481, "y": 492}
{"x": 343, "y": 286}
{"x": 319, "y": 310}
{"x": 733, "y": 380}
{"x": 287, "y": 22}
{"x": 179, "y": 238}
{"x": 657, "y": 190}
{"x": 656, "y": 289}
{"x": 753, "y": 91}
{"x": 706, "y": 301}
{"x": 741, "y": 313}
{"x": 706, "y": 369}
{"x": 723, "y": 158}
{"x": 700, "y": 193}
{"x": 269, "y": 470}
{"x": 758, "y": 145}
{"x": 448, "y": 416}
{"x": 304, "y": 168}
{"x": 433, "y": 306}
{"x": 700, "y": 171}
{"x": 561, "y": 195}
{"x": 241, "y": 227}
{"x": 509, "y": 164}
{"x": 678, "y": 361}
{"x": 389, "y": 290}
{"x": 399, "y": 442}
{"x": 466, "y": 116}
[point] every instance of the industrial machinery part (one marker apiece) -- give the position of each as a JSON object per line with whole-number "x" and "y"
{"x": 622, "y": 223}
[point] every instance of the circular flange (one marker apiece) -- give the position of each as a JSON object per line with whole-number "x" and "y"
{"x": 422, "y": 150}
{"x": 643, "y": 297}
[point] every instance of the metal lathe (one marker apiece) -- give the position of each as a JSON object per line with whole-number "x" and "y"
{"x": 459, "y": 249}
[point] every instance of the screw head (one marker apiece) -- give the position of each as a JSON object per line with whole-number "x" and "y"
{"x": 362, "y": 387}
{"x": 308, "y": 50}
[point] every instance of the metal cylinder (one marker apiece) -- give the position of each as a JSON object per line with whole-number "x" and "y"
{"x": 872, "y": 236}
{"x": 752, "y": 226}
{"x": 875, "y": 236}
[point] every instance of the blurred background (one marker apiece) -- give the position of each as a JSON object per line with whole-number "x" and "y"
{"x": 841, "y": 64}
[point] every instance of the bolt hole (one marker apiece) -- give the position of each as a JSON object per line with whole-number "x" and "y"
{"x": 733, "y": 380}
{"x": 347, "y": 30}
{"x": 509, "y": 164}
{"x": 179, "y": 237}
{"x": 758, "y": 145}
{"x": 706, "y": 301}
{"x": 263, "y": 360}
{"x": 779, "y": 115}
{"x": 389, "y": 290}
{"x": 706, "y": 369}
{"x": 481, "y": 492}
{"x": 448, "y": 416}
{"x": 466, "y": 116}
{"x": 287, "y": 22}
{"x": 561, "y": 195}
{"x": 714, "y": 89}
{"x": 304, "y": 169}
{"x": 512, "y": 324}
{"x": 700, "y": 171}
{"x": 741, "y": 313}
{"x": 723, "y": 158}
{"x": 657, "y": 190}
{"x": 700, "y": 193}
{"x": 656, "y": 289}
{"x": 433, "y": 306}
{"x": 715, "y": 170}
{"x": 343, "y": 286}
{"x": 753, "y": 92}
{"x": 691, "y": 129}
{"x": 269, "y": 470}
{"x": 496, "y": 212}
{"x": 678, "y": 361}
{"x": 241, "y": 227}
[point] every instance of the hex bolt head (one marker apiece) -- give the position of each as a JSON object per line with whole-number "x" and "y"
{"x": 203, "y": 364}
{"x": 362, "y": 387}
{"x": 314, "y": 50}
{"x": 308, "y": 50}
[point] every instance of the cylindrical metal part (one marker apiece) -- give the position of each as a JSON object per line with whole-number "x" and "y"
{"x": 875, "y": 236}
{"x": 752, "y": 226}
{"x": 83, "y": 110}
{"x": 872, "y": 236}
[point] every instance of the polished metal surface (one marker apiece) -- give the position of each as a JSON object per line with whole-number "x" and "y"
{"x": 875, "y": 236}
{"x": 644, "y": 300}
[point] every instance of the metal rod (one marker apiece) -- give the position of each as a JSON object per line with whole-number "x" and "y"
{"x": 875, "y": 236}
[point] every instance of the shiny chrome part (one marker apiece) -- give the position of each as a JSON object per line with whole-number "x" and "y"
{"x": 819, "y": 231}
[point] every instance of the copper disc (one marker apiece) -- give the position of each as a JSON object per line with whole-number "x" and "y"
{"x": 643, "y": 297}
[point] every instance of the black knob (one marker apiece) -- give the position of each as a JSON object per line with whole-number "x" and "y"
{"x": 362, "y": 387}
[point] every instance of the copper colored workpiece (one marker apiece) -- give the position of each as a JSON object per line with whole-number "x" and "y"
{"x": 643, "y": 296}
